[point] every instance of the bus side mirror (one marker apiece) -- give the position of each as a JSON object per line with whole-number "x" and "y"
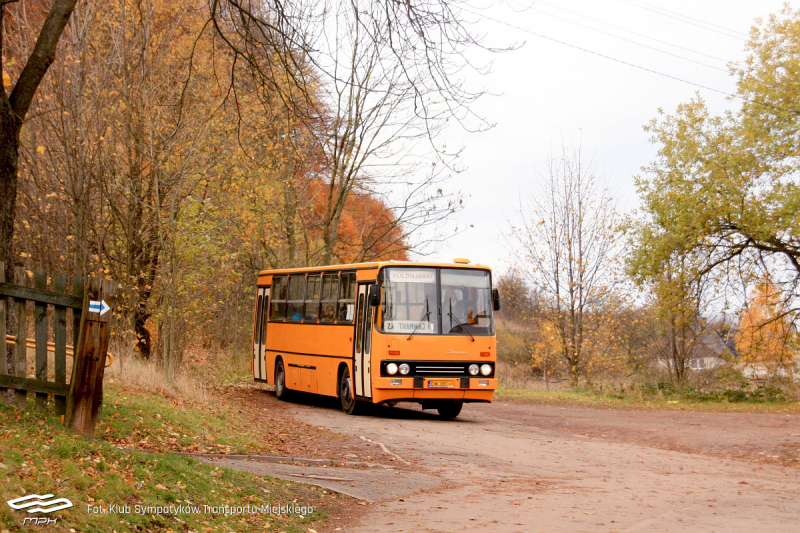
{"x": 496, "y": 299}
{"x": 374, "y": 296}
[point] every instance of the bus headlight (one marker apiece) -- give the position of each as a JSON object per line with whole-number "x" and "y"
{"x": 391, "y": 369}
{"x": 473, "y": 370}
{"x": 405, "y": 369}
{"x": 486, "y": 369}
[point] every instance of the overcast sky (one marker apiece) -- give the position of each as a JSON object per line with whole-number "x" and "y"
{"x": 548, "y": 91}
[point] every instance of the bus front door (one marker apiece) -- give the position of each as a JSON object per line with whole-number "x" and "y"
{"x": 363, "y": 344}
{"x": 260, "y": 334}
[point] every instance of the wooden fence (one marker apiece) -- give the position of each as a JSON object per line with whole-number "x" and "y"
{"x": 88, "y": 305}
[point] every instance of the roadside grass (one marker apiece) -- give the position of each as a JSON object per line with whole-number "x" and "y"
{"x": 636, "y": 399}
{"x": 160, "y": 421}
{"x": 200, "y": 410}
{"x": 40, "y": 456}
{"x": 148, "y": 376}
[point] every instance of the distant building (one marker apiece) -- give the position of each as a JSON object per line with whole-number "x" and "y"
{"x": 712, "y": 349}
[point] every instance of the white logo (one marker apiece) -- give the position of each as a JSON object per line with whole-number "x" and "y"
{"x": 38, "y": 500}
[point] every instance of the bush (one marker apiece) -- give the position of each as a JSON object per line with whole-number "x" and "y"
{"x": 736, "y": 395}
{"x": 666, "y": 387}
{"x": 762, "y": 393}
{"x": 768, "y": 393}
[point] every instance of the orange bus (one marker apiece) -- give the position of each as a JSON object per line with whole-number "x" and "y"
{"x": 380, "y": 332}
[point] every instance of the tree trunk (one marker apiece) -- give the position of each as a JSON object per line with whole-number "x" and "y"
{"x": 9, "y": 146}
{"x": 9, "y": 167}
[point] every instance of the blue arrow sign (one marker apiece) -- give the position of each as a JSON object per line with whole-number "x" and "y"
{"x": 99, "y": 307}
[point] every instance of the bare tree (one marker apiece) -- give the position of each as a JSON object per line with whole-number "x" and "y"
{"x": 426, "y": 40}
{"x": 382, "y": 111}
{"x": 566, "y": 245}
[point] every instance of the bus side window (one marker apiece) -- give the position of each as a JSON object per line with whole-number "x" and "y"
{"x": 297, "y": 290}
{"x": 347, "y": 298}
{"x": 278, "y": 306}
{"x": 312, "y": 299}
{"x": 330, "y": 289}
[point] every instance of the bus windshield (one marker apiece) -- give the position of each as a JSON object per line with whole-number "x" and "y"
{"x": 411, "y": 303}
{"x": 466, "y": 302}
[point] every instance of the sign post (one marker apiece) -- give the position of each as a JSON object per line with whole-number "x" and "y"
{"x": 86, "y": 385}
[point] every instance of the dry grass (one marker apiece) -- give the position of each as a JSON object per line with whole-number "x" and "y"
{"x": 148, "y": 376}
{"x": 519, "y": 377}
{"x": 131, "y": 370}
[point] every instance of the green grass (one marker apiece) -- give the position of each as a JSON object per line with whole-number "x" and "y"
{"x": 137, "y": 419}
{"x": 40, "y": 456}
{"x": 635, "y": 399}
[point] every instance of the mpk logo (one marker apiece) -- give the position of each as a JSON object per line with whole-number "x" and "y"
{"x": 39, "y": 503}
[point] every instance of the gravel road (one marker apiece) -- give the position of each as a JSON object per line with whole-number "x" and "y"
{"x": 520, "y": 467}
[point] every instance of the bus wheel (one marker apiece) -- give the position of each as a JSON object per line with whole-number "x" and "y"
{"x": 281, "y": 392}
{"x": 349, "y": 404}
{"x": 450, "y": 410}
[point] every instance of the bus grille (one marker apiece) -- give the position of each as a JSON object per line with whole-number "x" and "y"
{"x": 436, "y": 368}
{"x": 439, "y": 369}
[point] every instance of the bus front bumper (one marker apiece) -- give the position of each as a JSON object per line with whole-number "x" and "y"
{"x": 468, "y": 389}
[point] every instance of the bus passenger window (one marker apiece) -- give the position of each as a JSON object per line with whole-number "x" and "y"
{"x": 279, "y": 292}
{"x": 347, "y": 298}
{"x": 330, "y": 288}
{"x": 312, "y": 299}
{"x": 297, "y": 289}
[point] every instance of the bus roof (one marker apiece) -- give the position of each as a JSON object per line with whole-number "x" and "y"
{"x": 371, "y": 265}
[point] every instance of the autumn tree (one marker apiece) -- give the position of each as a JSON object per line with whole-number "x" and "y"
{"x": 16, "y": 96}
{"x": 129, "y": 152}
{"x": 724, "y": 188}
{"x": 520, "y": 303}
{"x": 370, "y": 231}
{"x": 675, "y": 301}
{"x": 765, "y": 336}
{"x": 60, "y": 195}
{"x": 566, "y": 246}
{"x": 121, "y": 153}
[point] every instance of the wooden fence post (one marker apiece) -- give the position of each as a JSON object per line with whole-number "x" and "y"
{"x": 60, "y": 340}
{"x": 6, "y": 358}
{"x": 22, "y": 335}
{"x": 40, "y": 334}
{"x": 86, "y": 385}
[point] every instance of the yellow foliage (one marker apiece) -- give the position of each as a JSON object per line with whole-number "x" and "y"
{"x": 765, "y": 333}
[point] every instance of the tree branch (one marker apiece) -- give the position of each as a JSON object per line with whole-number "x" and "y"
{"x": 44, "y": 52}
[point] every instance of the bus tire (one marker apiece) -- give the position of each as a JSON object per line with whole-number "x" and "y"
{"x": 281, "y": 392}
{"x": 450, "y": 410}
{"x": 349, "y": 404}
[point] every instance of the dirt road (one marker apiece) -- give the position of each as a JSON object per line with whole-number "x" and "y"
{"x": 516, "y": 467}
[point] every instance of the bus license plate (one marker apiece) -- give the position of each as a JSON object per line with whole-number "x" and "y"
{"x": 441, "y": 384}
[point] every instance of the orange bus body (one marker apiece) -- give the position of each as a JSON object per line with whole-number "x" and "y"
{"x": 313, "y": 355}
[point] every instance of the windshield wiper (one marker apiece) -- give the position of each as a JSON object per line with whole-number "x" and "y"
{"x": 426, "y": 317}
